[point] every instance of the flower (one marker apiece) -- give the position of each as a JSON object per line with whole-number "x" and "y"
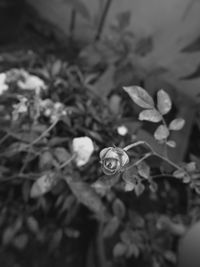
{"x": 113, "y": 159}
{"x": 3, "y": 85}
{"x": 83, "y": 147}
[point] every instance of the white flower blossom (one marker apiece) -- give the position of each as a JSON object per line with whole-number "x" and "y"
{"x": 83, "y": 147}
{"x": 3, "y": 85}
{"x": 31, "y": 82}
{"x": 122, "y": 130}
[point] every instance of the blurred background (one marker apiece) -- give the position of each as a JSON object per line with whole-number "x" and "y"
{"x": 63, "y": 64}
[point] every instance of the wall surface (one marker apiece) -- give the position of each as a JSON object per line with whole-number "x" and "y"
{"x": 173, "y": 24}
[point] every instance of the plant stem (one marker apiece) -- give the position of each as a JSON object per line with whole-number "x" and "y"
{"x": 102, "y": 20}
{"x": 143, "y": 158}
{"x": 137, "y": 144}
{"x": 100, "y": 246}
{"x": 67, "y": 162}
{"x": 34, "y": 142}
{"x": 72, "y": 24}
{"x": 44, "y": 133}
{"x": 153, "y": 153}
{"x": 165, "y": 140}
{"x": 4, "y": 138}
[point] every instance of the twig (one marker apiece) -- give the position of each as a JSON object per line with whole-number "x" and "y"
{"x": 4, "y": 138}
{"x": 44, "y": 133}
{"x": 72, "y": 24}
{"x": 67, "y": 162}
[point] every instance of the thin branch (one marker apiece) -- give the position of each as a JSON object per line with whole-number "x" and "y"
{"x": 72, "y": 23}
{"x": 102, "y": 20}
{"x": 44, "y": 133}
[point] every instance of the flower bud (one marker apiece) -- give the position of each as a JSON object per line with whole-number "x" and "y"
{"x": 113, "y": 159}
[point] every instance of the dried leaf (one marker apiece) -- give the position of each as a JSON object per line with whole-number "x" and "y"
{"x": 177, "y": 124}
{"x": 150, "y": 115}
{"x": 140, "y": 96}
{"x": 161, "y": 133}
{"x": 164, "y": 103}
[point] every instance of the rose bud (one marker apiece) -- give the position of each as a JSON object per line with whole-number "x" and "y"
{"x": 113, "y": 159}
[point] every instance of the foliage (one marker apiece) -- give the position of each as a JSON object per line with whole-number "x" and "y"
{"x": 58, "y": 120}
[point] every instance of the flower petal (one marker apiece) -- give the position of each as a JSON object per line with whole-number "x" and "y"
{"x": 125, "y": 159}
{"x": 104, "y": 151}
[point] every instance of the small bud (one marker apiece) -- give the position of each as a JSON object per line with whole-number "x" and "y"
{"x": 122, "y": 130}
{"x": 113, "y": 159}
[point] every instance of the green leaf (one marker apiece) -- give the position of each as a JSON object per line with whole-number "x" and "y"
{"x": 133, "y": 250}
{"x": 171, "y": 143}
{"x": 20, "y": 241}
{"x": 61, "y": 154}
{"x": 87, "y": 196}
{"x": 179, "y": 174}
{"x": 191, "y": 166}
{"x": 161, "y": 133}
{"x": 32, "y": 224}
{"x": 153, "y": 187}
{"x": 111, "y": 227}
{"x": 139, "y": 189}
{"x": 150, "y": 115}
{"x": 140, "y": 96}
{"x": 129, "y": 186}
{"x": 45, "y": 160}
{"x": 119, "y": 249}
{"x": 164, "y": 103}
{"x": 143, "y": 170}
{"x": 44, "y": 184}
{"x": 56, "y": 239}
{"x": 177, "y": 124}
{"x": 119, "y": 209}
